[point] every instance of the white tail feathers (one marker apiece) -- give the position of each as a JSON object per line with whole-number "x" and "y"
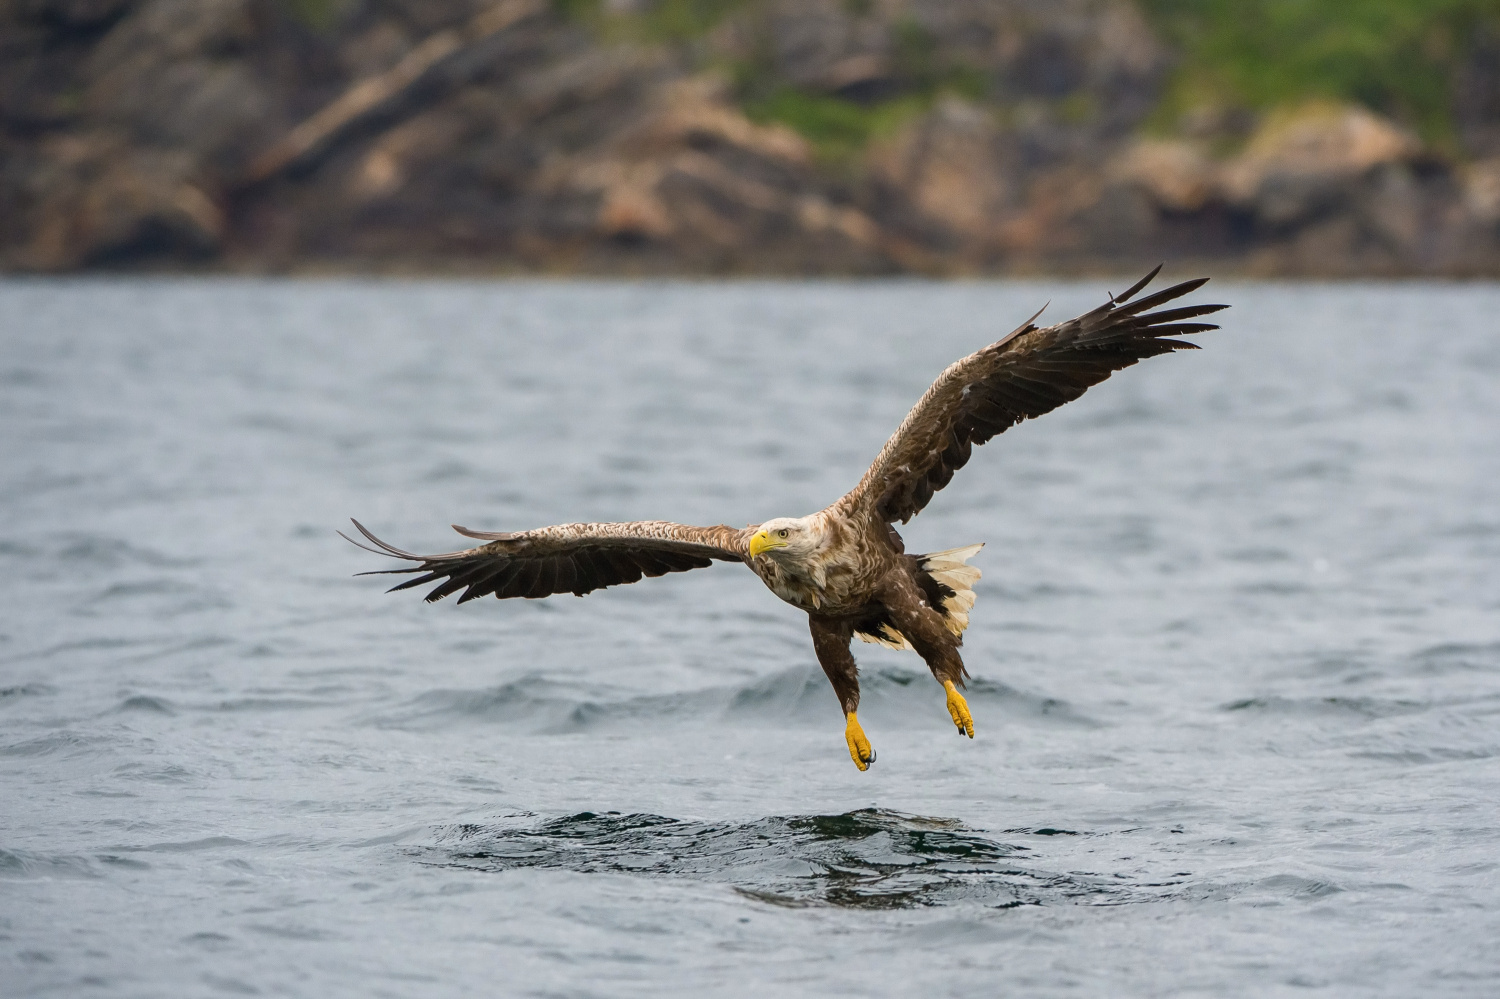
{"x": 951, "y": 569}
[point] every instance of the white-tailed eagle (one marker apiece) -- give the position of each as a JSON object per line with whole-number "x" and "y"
{"x": 845, "y": 565}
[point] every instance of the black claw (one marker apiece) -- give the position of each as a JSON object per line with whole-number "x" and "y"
{"x": 871, "y": 761}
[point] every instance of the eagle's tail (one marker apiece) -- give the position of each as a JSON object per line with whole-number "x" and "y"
{"x": 951, "y": 569}
{"x": 955, "y": 579}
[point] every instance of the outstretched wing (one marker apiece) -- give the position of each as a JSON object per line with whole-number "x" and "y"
{"x": 568, "y": 558}
{"x": 1030, "y": 372}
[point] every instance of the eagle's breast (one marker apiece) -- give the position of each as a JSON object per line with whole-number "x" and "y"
{"x": 795, "y": 588}
{"x": 834, "y": 581}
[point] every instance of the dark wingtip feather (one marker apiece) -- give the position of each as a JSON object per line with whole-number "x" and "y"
{"x": 1165, "y": 295}
{"x": 392, "y": 550}
{"x": 1126, "y": 295}
{"x": 356, "y": 544}
{"x": 1181, "y": 329}
{"x": 388, "y": 549}
{"x": 1183, "y": 312}
{"x": 1025, "y": 327}
{"x": 408, "y": 584}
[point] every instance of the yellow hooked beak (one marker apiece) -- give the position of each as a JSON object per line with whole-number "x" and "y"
{"x": 763, "y": 541}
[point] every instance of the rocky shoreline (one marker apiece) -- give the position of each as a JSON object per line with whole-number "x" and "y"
{"x": 473, "y": 136}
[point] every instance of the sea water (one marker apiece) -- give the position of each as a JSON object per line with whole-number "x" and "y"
{"x": 1236, "y": 652}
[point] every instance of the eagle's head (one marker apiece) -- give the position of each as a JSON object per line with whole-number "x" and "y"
{"x": 787, "y": 539}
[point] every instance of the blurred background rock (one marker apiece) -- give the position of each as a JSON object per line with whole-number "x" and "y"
{"x": 1307, "y": 137}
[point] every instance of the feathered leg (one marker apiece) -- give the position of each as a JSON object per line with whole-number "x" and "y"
{"x": 831, "y": 642}
{"x": 924, "y": 629}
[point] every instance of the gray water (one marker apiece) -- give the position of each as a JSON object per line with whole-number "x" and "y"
{"x": 1236, "y": 651}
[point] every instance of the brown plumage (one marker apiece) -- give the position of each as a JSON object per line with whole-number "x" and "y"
{"x": 845, "y": 565}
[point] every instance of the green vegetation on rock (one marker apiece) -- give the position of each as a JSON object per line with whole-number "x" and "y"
{"x": 838, "y": 129}
{"x": 1398, "y": 57}
{"x": 658, "y": 21}
{"x": 319, "y": 15}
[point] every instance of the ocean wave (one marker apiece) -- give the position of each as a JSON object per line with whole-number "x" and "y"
{"x": 1279, "y": 886}
{"x": 872, "y": 858}
{"x": 64, "y": 744}
{"x": 15, "y": 693}
{"x": 145, "y": 703}
{"x": 101, "y": 550}
{"x": 1330, "y": 707}
{"x": 19, "y": 865}
{"x": 1458, "y": 657}
{"x": 794, "y": 696}
{"x": 540, "y": 703}
{"x": 1426, "y": 756}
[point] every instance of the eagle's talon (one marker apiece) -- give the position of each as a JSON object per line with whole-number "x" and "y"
{"x": 958, "y": 709}
{"x": 859, "y": 746}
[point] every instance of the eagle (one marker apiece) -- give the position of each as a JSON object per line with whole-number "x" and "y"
{"x": 846, "y": 565}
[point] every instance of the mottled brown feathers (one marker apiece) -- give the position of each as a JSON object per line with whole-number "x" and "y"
{"x": 568, "y": 558}
{"x": 1030, "y": 372}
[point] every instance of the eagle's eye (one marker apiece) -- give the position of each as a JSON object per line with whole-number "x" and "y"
{"x": 782, "y": 532}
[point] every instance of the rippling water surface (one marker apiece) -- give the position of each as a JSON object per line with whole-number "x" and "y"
{"x": 1237, "y": 651}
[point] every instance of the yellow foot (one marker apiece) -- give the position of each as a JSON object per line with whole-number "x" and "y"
{"x": 959, "y": 709}
{"x": 859, "y": 746}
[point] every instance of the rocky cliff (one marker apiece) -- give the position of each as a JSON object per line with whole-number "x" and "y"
{"x": 784, "y": 136}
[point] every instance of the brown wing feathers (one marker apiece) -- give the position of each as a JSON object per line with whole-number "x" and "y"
{"x": 573, "y": 558}
{"x": 1024, "y": 375}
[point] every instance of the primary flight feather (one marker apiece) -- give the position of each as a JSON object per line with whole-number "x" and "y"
{"x": 845, "y": 565}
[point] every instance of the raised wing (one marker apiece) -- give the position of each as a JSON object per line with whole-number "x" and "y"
{"x": 568, "y": 558}
{"x": 1030, "y": 372}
